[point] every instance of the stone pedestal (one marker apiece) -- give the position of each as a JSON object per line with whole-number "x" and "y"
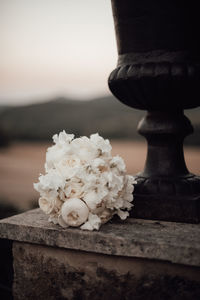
{"x": 158, "y": 70}
{"x": 135, "y": 259}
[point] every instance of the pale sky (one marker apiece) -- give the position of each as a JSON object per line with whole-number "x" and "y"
{"x": 55, "y": 48}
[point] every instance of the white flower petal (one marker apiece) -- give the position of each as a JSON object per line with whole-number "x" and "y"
{"x": 122, "y": 214}
{"x": 93, "y": 222}
{"x": 46, "y": 205}
{"x": 118, "y": 162}
{"x": 103, "y": 145}
{"x": 106, "y": 215}
{"x": 62, "y": 138}
{"x": 53, "y": 219}
{"x": 61, "y": 222}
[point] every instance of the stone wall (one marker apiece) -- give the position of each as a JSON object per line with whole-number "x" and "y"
{"x": 135, "y": 259}
{"x": 45, "y": 272}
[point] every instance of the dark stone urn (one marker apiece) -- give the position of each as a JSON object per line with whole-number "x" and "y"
{"x": 159, "y": 71}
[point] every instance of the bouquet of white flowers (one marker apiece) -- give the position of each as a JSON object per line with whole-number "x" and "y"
{"x": 84, "y": 185}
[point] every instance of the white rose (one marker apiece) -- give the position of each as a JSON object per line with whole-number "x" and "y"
{"x": 67, "y": 171}
{"x": 84, "y": 149}
{"x": 74, "y": 189}
{"x": 74, "y": 212}
{"x": 50, "y": 205}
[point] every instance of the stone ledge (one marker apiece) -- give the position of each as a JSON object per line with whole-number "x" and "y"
{"x": 166, "y": 241}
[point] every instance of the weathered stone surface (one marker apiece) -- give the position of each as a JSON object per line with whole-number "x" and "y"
{"x": 169, "y": 241}
{"x": 50, "y": 273}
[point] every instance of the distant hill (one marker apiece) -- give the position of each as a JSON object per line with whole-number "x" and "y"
{"x": 105, "y": 115}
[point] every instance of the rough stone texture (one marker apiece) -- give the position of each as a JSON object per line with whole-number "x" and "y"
{"x": 166, "y": 241}
{"x": 50, "y": 273}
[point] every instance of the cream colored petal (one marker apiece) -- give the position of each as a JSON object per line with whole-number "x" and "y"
{"x": 61, "y": 222}
{"x": 46, "y": 205}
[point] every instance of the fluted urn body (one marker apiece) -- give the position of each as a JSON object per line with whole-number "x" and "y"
{"x": 158, "y": 70}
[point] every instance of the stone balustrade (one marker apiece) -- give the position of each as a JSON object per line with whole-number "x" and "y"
{"x": 135, "y": 259}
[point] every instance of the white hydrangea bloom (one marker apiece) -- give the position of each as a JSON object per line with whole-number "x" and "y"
{"x": 83, "y": 184}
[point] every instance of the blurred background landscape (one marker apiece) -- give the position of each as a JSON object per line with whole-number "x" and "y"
{"x": 55, "y": 59}
{"x": 26, "y": 133}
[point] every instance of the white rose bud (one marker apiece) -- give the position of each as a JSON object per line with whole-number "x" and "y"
{"x": 74, "y": 212}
